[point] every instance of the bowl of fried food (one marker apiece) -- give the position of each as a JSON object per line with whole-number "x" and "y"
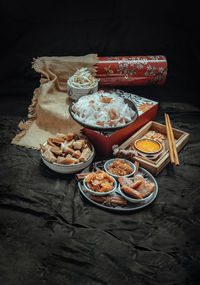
{"x": 136, "y": 189}
{"x": 99, "y": 183}
{"x": 118, "y": 167}
{"x": 67, "y": 153}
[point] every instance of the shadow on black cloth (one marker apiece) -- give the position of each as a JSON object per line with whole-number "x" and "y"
{"x": 49, "y": 234}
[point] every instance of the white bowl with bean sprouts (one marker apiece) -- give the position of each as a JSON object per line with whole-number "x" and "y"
{"x": 81, "y": 83}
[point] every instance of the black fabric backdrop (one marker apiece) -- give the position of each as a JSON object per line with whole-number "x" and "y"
{"x": 49, "y": 234}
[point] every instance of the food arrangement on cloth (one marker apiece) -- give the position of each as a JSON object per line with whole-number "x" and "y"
{"x": 118, "y": 183}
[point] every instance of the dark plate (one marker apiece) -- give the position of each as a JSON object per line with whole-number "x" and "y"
{"x": 120, "y": 93}
{"x": 130, "y": 207}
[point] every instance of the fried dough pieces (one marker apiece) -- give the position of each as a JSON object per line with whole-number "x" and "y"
{"x": 66, "y": 149}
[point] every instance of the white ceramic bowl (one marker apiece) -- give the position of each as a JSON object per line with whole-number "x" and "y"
{"x": 108, "y": 162}
{"x": 68, "y": 168}
{"x": 134, "y": 200}
{"x": 75, "y": 93}
{"x": 100, "y": 193}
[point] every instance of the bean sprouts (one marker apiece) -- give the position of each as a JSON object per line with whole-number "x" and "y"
{"x": 82, "y": 78}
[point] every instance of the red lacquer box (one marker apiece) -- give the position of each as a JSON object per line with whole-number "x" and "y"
{"x": 131, "y": 70}
{"x": 103, "y": 141}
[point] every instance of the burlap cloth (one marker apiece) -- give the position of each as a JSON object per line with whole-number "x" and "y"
{"x": 48, "y": 113}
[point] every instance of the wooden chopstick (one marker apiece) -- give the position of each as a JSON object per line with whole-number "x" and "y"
{"x": 171, "y": 141}
{"x": 171, "y": 154}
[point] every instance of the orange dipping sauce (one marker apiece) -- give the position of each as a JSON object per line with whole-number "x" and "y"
{"x": 146, "y": 145}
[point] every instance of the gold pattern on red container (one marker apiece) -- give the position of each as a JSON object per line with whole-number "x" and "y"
{"x": 131, "y": 70}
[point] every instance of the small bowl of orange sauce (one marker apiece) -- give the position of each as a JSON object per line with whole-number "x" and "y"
{"x": 148, "y": 146}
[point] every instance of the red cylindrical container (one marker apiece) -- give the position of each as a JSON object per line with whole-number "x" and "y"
{"x": 131, "y": 70}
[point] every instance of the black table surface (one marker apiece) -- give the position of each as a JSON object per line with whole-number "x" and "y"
{"x": 49, "y": 234}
